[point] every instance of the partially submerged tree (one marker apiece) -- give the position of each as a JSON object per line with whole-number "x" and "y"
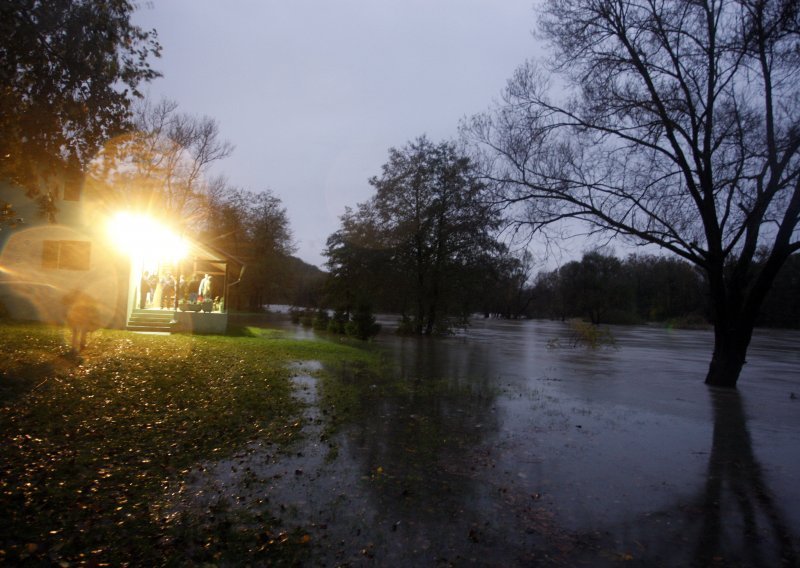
{"x": 69, "y": 70}
{"x": 422, "y": 244}
{"x": 679, "y": 126}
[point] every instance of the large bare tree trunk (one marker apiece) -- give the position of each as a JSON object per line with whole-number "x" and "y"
{"x": 736, "y": 302}
{"x": 730, "y": 349}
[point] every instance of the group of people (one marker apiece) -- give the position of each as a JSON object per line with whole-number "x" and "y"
{"x": 155, "y": 292}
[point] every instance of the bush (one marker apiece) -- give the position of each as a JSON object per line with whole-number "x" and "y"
{"x": 321, "y": 320}
{"x": 689, "y": 321}
{"x": 338, "y": 322}
{"x": 406, "y": 326}
{"x": 590, "y": 335}
{"x": 362, "y": 324}
{"x": 307, "y": 318}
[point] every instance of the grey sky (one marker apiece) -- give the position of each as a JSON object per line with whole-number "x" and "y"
{"x": 314, "y": 92}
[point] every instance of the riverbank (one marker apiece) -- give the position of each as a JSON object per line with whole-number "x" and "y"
{"x": 91, "y": 442}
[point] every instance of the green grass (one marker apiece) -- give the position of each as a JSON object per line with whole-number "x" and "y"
{"x": 90, "y": 442}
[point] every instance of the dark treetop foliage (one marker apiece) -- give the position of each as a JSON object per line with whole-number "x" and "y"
{"x": 254, "y": 227}
{"x": 423, "y": 245}
{"x": 680, "y": 127}
{"x": 68, "y": 72}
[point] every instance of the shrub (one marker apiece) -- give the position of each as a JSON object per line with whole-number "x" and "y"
{"x": 406, "y": 326}
{"x": 590, "y": 335}
{"x": 321, "y": 320}
{"x": 338, "y": 322}
{"x": 362, "y": 324}
{"x": 307, "y": 318}
{"x": 689, "y": 321}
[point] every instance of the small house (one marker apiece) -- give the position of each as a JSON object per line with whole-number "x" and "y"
{"x": 92, "y": 247}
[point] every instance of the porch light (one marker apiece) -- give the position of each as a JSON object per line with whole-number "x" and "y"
{"x": 143, "y": 238}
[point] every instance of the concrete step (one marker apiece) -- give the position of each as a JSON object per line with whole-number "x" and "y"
{"x": 150, "y": 320}
{"x": 153, "y": 313}
{"x": 149, "y": 329}
{"x": 140, "y": 319}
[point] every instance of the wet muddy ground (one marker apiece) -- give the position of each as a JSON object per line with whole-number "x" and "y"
{"x": 492, "y": 449}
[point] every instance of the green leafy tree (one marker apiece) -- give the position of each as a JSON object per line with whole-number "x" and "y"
{"x": 676, "y": 123}
{"x": 360, "y": 263}
{"x": 68, "y": 70}
{"x": 595, "y": 286}
{"x": 422, "y": 242}
{"x": 665, "y": 288}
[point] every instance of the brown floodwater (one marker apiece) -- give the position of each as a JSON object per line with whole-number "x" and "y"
{"x": 502, "y": 447}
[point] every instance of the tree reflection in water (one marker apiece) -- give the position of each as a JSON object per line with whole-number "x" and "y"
{"x": 736, "y": 497}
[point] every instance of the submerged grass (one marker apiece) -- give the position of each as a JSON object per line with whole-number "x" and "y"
{"x": 90, "y": 442}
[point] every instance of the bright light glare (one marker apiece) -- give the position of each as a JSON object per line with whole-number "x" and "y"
{"x": 143, "y": 237}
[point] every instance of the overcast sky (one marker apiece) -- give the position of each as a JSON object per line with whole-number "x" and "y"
{"x": 314, "y": 92}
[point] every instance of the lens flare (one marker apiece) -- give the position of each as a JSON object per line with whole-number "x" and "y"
{"x": 144, "y": 238}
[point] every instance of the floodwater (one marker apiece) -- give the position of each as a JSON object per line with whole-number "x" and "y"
{"x": 495, "y": 448}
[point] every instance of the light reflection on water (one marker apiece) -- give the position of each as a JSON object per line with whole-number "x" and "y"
{"x": 491, "y": 448}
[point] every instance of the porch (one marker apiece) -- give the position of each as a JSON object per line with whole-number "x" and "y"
{"x": 170, "y": 321}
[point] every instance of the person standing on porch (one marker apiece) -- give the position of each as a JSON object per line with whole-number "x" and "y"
{"x": 181, "y": 289}
{"x": 167, "y": 291}
{"x": 204, "y": 291}
{"x": 144, "y": 289}
{"x": 193, "y": 288}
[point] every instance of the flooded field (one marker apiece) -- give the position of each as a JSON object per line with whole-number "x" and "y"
{"x": 494, "y": 448}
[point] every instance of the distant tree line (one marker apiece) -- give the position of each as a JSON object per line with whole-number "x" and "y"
{"x": 603, "y": 289}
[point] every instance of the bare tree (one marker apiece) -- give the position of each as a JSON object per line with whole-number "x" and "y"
{"x": 675, "y": 123}
{"x": 164, "y": 164}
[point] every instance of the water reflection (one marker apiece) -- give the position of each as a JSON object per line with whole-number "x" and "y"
{"x": 417, "y": 440}
{"x": 741, "y": 521}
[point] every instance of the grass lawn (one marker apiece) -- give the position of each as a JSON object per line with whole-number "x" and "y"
{"x": 89, "y": 443}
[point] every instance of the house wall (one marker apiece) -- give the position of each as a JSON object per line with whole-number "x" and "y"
{"x": 42, "y": 263}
